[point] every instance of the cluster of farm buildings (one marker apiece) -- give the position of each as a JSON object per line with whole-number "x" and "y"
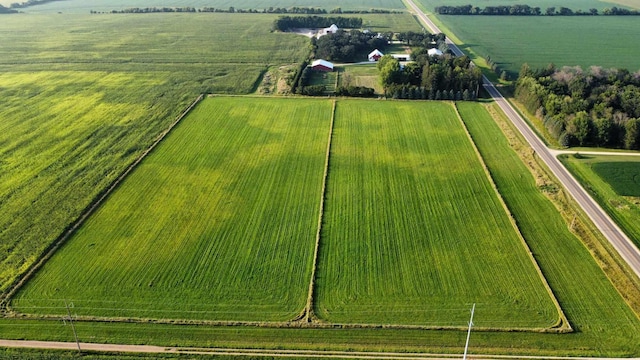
{"x": 375, "y": 55}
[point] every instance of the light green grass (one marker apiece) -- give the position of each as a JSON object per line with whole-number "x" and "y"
{"x": 81, "y": 98}
{"x": 603, "y": 186}
{"x": 218, "y": 223}
{"x": 65, "y": 136}
{"x": 413, "y": 231}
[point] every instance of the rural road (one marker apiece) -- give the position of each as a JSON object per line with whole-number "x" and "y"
{"x": 148, "y": 349}
{"x": 625, "y": 247}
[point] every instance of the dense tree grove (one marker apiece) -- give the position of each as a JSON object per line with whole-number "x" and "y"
{"x": 28, "y": 3}
{"x": 4, "y": 10}
{"x": 598, "y": 107}
{"x": 355, "y": 91}
{"x": 429, "y": 77}
{"x": 526, "y": 10}
{"x": 347, "y": 46}
{"x": 285, "y": 23}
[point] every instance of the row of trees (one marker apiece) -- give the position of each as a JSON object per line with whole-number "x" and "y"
{"x": 28, "y": 3}
{"x": 348, "y": 46}
{"x": 526, "y": 10}
{"x": 430, "y": 77}
{"x": 4, "y": 10}
{"x": 285, "y": 23}
{"x": 597, "y": 107}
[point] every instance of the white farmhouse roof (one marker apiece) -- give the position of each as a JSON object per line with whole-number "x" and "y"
{"x": 434, "y": 52}
{"x": 333, "y": 28}
{"x": 321, "y": 62}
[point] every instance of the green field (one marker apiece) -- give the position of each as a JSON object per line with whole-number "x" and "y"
{"x": 614, "y": 181}
{"x": 81, "y": 100}
{"x": 624, "y": 177}
{"x": 412, "y": 235}
{"x": 511, "y": 41}
{"x": 218, "y": 223}
{"x": 360, "y": 75}
{"x": 80, "y": 6}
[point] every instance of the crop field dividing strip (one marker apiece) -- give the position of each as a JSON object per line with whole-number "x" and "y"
{"x": 562, "y": 325}
{"x": 307, "y": 314}
{"x": 4, "y": 298}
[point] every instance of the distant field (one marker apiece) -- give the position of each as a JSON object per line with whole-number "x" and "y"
{"x": 81, "y": 6}
{"x": 615, "y": 183}
{"x": 501, "y": 37}
{"x": 83, "y": 98}
{"x": 414, "y": 236}
{"x": 219, "y": 223}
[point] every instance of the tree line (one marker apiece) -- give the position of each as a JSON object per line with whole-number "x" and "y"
{"x": 526, "y": 10}
{"x": 285, "y": 23}
{"x": 349, "y": 46}
{"x": 597, "y": 107}
{"x": 28, "y": 3}
{"x": 4, "y": 10}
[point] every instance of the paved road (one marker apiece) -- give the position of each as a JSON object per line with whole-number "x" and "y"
{"x": 628, "y": 251}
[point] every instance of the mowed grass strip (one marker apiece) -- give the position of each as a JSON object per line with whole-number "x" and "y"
{"x": 413, "y": 231}
{"x": 218, "y": 223}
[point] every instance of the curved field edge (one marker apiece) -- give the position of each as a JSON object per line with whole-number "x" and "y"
{"x": 414, "y": 236}
{"x": 622, "y": 209}
{"x": 216, "y": 224}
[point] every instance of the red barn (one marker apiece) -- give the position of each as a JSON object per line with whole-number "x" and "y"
{"x": 322, "y": 65}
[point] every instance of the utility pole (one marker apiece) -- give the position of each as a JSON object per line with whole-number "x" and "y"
{"x": 73, "y": 327}
{"x": 466, "y": 347}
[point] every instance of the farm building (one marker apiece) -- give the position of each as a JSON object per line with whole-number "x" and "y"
{"x": 434, "y": 52}
{"x": 402, "y": 57}
{"x": 330, "y": 30}
{"x": 375, "y": 55}
{"x": 322, "y": 65}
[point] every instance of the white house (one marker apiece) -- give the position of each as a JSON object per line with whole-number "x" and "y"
{"x": 321, "y": 65}
{"x": 375, "y": 55}
{"x": 330, "y": 30}
{"x": 402, "y": 57}
{"x": 434, "y": 52}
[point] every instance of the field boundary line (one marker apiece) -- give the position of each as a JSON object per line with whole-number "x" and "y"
{"x": 93, "y": 206}
{"x": 307, "y": 314}
{"x": 562, "y": 324}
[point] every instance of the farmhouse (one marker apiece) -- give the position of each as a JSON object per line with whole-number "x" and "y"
{"x": 375, "y": 55}
{"x": 321, "y": 65}
{"x": 434, "y": 52}
{"x": 330, "y": 30}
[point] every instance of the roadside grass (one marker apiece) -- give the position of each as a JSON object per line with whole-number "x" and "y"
{"x": 218, "y": 223}
{"x": 613, "y": 182}
{"x": 360, "y": 75}
{"x": 82, "y": 98}
{"x": 414, "y": 236}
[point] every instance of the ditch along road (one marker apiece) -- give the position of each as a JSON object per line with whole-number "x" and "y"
{"x": 618, "y": 239}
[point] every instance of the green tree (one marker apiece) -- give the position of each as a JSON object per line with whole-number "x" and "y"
{"x": 632, "y": 134}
